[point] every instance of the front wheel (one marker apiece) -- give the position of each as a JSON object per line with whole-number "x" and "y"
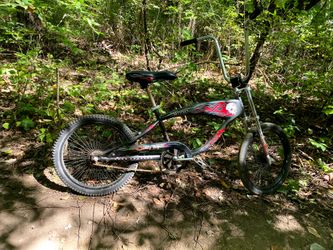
{"x": 261, "y": 174}
{"x": 87, "y": 137}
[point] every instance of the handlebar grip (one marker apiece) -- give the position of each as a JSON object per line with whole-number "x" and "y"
{"x": 188, "y": 42}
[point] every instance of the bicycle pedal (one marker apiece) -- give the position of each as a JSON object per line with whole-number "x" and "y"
{"x": 200, "y": 164}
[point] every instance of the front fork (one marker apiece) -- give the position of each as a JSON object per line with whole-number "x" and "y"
{"x": 264, "y": 144}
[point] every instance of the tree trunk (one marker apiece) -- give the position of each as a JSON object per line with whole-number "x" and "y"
{"x": 146, "y": 34}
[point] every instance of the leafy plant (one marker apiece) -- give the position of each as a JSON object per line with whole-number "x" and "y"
{"x": 319, "y": 145}
{"x": 45, "y": 136}
{"x": 5, "y": 125}
{"x": 294, "y": 186}
{"x": 328, "y": 110}
{"x": 322, "y": 165}
{"x": 196, "y": 143}
{"x": 27, "y": 124}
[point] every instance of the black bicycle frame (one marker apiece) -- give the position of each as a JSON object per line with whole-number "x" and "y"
{"x": 229, "y": 109}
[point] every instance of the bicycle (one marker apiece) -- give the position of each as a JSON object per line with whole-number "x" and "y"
{"x": 97, "y": 155}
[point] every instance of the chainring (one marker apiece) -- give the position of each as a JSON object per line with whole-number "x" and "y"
{"x": 168, "y": 162}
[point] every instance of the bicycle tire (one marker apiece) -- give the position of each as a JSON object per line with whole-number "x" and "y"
{"x": 73, "y": 149}
{"x": 253, "y": 164}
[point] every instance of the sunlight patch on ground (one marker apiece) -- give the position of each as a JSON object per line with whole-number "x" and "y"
{"x": 43, "y": 244}
{"x": 287, "y": 223}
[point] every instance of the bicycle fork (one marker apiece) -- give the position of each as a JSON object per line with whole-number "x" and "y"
{"x": 263, "y": 142}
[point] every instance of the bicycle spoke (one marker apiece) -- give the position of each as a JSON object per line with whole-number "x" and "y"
{"x": 90, "y": 139}
{"x": 261, "y": 173}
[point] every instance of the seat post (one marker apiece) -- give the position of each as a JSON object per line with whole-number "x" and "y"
{"x": 152, "y": 100}
{"x": 155, "y": 109}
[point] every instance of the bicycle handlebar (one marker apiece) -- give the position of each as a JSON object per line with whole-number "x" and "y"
{"x": 188, "y": 42}
{"x": 236, "y": 81}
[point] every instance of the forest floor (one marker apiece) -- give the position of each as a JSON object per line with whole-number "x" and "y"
{"x": 186, "y": 211}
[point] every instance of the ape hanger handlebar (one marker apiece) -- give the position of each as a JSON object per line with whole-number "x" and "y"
{"x": 236, "y": 81}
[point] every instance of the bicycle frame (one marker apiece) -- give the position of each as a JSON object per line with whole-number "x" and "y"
{"x": 228, "y": 109}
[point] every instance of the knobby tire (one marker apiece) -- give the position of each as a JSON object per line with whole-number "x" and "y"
{"x": 257, "y": 175}
{"x": 87, "y": 136}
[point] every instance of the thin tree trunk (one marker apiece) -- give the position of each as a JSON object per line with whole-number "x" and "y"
{"x": 146, "y": 34}
{"x": 256, "y": 53}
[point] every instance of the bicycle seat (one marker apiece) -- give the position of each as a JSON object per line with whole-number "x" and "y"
{"x": 147, "y": 77}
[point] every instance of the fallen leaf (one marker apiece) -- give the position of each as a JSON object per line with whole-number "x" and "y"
{"x": 210, "y": 232}
{"x": 10, "y": 161}
{"x": 6, "y": 151}
{"x": 331, "y": 178}
{"x": 224, "y": 184}
{"x": 66, "y": 197}
{"x": 314, "y": 232}
{"x": 274, "y": 247}
{"x": 158, "y": 202}
{"x": 213, "y": 193}
{"x": 180, "y": 183}
{"x": 316, "y": 246}
{"x": 82, "y": 198}
{"x": 115, "y": 204}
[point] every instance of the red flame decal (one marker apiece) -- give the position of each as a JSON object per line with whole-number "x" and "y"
{"x": 218, "y": 109}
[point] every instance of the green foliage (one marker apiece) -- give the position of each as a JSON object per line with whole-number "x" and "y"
{"x": 322, "y": 165}
{"x": 5, "y": 125}
{"x": 319, "y": 145}
{"x": 6, "y": 151}
{"x": 196, "y": 143}
{"x": 48, "y": 24}
{"x": 294, "y": 186}
{"x": 45, "y": 136}
{"x": 26, "y": 124}
{"x": 328, "y": 110}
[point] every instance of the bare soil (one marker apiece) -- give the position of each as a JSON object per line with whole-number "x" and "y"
{"x": 189, "y": 210}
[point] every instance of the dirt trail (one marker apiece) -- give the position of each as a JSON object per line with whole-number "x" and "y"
{"x": 187, "y": 211}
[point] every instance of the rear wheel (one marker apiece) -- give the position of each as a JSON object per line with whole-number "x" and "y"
{"x": 259, "y": 174}
{"x": 76, "y": 146}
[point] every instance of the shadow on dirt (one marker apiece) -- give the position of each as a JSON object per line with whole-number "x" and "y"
{"x": 18, "y": 202}
{"x": 14, "y": 195}
{"x": 186, "y": 219}
{"x": 37, "y": 162}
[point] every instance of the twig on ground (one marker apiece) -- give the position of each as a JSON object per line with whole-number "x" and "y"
{"x": 300, "y": 160}
{"x": 306, "y": 155}
{"x": 166, "y": 205}
{"x": 92, "y": 226}
{"x": 58, "y": 94}
{"x": 196, "y": 237}
{"x": 79, "y": 226}
{"x": 170, "y": 235}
